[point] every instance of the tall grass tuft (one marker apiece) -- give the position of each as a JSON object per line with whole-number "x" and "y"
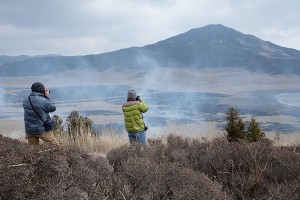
{"x": 98, "y": 144}
{"x": 91, "y": 143}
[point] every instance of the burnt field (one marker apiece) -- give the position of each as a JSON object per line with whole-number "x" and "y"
{"x": 166, "y": 108}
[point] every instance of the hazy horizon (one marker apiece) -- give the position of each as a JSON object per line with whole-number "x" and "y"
{"x": 191, "y": 102}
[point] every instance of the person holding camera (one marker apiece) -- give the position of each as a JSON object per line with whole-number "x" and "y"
{"x": 134, "y": 122}
{"x": 37, "y": 107}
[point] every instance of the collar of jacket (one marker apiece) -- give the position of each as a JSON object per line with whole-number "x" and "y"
{"x": 37, "y": 94}
{"x": 130, "y": 103}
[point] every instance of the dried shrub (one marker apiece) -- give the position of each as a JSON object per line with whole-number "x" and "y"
{"x": 152, "y": 173}
{"x": 42, "y": 173}
{"x": 245, "y": 170}
{"x": 145, "y": 179}
{"x": 177, "y": 168}
{"x": 117, "y": 157}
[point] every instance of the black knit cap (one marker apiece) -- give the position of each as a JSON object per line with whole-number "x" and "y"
{"x": 38, "y": 87}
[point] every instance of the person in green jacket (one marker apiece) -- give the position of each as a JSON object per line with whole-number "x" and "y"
{"x": 134, "y": 122}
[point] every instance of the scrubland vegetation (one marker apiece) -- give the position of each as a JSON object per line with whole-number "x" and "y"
{"x": 171, "y": 167}
{"x": 77, "y": 132}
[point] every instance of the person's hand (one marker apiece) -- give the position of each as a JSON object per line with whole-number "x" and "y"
{"x": 138, "y": 98}
{"x": 47, "y": 92}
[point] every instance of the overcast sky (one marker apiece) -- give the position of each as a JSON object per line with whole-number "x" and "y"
{"x": 81, "y": 27}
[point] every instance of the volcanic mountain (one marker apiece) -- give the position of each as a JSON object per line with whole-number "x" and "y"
{"x": 212, "y": 46}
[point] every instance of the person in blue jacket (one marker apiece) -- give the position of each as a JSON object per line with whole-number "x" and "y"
{"x": 34, "y": 124}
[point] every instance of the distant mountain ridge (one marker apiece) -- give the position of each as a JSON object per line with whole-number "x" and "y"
{"x": 7, "y": 59}
{"x": 211, "y": 46}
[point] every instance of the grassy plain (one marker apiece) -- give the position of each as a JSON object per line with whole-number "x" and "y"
{"x": 233, "y": 83}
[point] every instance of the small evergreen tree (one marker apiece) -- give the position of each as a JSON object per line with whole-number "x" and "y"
{"x": 235, "y": 126}
{"x": 254, "y": 132}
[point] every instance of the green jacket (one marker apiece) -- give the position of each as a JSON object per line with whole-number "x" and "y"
{"x": 133, "y": 117}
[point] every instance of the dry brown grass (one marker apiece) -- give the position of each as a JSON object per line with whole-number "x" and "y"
{"x": 28, "y": 172}
{"x": 173, "y": 167}
{"x": 11, "y": 128}
{"x": 70, "y": 173}
{"x": 92, "y": 144}
{"x": 244, "y": 170}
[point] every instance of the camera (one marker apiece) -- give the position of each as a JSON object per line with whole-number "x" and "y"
{"x": 138, "y": 98}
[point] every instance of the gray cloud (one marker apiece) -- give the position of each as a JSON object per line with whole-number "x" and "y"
{"x": 35, "y": 27}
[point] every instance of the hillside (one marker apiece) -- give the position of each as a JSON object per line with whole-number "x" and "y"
{"x": 211, "y": 46}
{"x": 7, "y": 59}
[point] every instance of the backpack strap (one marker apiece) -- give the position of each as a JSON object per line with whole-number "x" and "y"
{"x": 34, "y": 109}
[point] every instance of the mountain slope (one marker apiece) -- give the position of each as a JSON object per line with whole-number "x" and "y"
{"x": 218, "y": 46}
{"x": 6, "y": 59}
{"x": 210, "y": 46}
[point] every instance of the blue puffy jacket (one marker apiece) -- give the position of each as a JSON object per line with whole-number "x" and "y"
{"x": 43, "y": 106}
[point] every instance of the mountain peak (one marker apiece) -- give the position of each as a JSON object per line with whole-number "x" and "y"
{"x": 208, "y": 33}
{"x": 210, "y": 46}
{"x": 214, "y": 27}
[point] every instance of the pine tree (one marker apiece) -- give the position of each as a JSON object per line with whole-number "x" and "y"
{"x": 235, "y": 126}
{"x": 254, "y": 132}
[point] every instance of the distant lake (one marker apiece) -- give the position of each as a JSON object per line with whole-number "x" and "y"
{"x": 291, "y": 99}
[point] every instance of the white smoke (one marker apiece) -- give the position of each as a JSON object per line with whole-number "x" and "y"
{"x": 158, "y": 86}
{"x": 171, "y": 93}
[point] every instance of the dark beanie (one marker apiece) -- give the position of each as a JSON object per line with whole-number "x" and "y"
{"x": 38, "y": 87}
{"x": 131, "y": 95}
